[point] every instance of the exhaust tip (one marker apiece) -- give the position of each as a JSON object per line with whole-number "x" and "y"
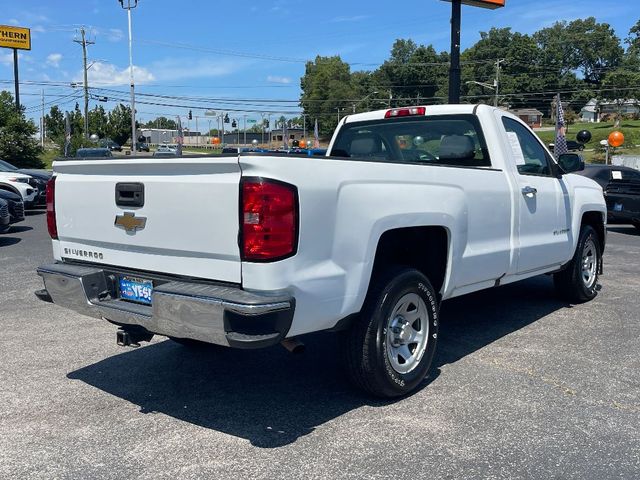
{"x": 293, "y": 345}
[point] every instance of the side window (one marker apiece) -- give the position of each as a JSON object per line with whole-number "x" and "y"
{"x": 536, "y": 160}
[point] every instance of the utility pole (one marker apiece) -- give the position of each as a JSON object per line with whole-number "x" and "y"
{"x": 84, "y": 42}
{"x": 498, "y": 62}
{"x": 43, "y": 124}
{"x": 454, "y": 70}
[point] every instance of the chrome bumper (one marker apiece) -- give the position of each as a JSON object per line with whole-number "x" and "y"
{"x": 215, "y": 314}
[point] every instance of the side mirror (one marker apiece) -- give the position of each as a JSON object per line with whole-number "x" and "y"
{"x": 570, "y": 162}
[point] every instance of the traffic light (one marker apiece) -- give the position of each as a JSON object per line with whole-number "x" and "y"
{"x": 266, "y": 123}
{"x": 233, "y": 124}
{"x": 190, "y": 115}
{"x": 226, "y": 118}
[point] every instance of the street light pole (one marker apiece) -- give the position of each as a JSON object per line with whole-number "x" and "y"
{"x": 129, "y": 5}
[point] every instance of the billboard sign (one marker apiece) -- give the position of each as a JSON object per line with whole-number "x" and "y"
{"x": 15, "y": 37}
{"x": 492, "y": 4}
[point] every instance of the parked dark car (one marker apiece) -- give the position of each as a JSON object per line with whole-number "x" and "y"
{"x": 621, "y": 187}
{"x": 93, "y": 153}
{"x": 572, "y": 146}
{"x": 4, "y": 216}
{"x": 111, "y": 145}
{"x": 15, "y": 204}
{"x": 142, "y": 147}
{"x": 39, "y": 179}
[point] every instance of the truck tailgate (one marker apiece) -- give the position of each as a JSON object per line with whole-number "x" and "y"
{"x": 190, "y": 215}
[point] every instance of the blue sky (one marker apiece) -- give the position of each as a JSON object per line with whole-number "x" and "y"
{"x": 232, "y": 55}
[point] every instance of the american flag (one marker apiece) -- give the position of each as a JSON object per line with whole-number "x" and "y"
{"x": 316, "y": 136}
{"x": 180, "y": 137}
{"x": 560, "y": 145}
{"x": 67, "y": 135}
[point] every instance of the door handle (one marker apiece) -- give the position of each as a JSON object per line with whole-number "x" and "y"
{"x": 529, "y": 191}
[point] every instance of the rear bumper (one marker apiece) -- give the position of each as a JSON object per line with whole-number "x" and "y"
{"x": 221, "y": 315}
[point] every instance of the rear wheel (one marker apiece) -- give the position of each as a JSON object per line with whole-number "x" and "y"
{"x": 390, "y": 347}
{"x": 578, "y": 282}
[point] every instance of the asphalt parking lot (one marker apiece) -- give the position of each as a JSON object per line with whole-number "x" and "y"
{"x": 524, "y": 386}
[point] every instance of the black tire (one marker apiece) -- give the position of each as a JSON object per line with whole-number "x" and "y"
{"x": 571, "y": 283}
{"x": 637, "y": 225}
{"x": 368, "y": 344}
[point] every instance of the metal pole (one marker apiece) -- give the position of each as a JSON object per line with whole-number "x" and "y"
{"x": 495, "y": 103}
{"x": 454, "y": 70}
{"x": 15, "y": 77}
{"x": 270, "y": 130}
{"x": 244, "y": 141}
{"x": 43, "y": 121}
{"x": 304, "y": 126}
{"x": 84, "y": 44}
{"x": 133, "y": 96}
{"x": 197, "y": 133}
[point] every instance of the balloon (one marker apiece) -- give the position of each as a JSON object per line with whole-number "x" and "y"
{"x": 215, "y": 141}
{"x": 616, "y": 139}
{"x": 583, "y": 136}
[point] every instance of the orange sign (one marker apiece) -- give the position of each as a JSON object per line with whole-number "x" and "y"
{"x": 492, "y": 4}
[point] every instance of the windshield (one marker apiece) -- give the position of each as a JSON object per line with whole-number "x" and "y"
{"x": 7, "y": 167}
{"x": 455, "y": 140}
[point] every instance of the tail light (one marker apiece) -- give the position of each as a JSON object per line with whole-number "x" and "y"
{"x": 269, "y": 219}
{"x": 51, "y": 208}
{"x": 405, "y": 112}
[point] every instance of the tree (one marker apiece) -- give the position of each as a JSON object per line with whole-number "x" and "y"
{"x": 412, "y": 74}
{"x": 633, "y": 40}
{"x": 17, "y": 143}
{"x": 327, "y": 91}
{"x": 98, "y": 121}
{"x": 162, "y": 122}
{"x": 119, "y": 124}
{"x": 55, "y": 122}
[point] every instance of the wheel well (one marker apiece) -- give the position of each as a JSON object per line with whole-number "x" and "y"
{"x": 423, "y": 248}
{"x": 595, "y": 220}
{"x": 9, "y": 188}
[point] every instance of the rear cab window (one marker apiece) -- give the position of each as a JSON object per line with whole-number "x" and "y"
{"x": 448, "y": 140}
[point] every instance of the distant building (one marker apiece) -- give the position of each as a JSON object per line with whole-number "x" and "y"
{"x": 292, "y": 134}
{"x": 595, "y": 109}
{"x": 531, "y": 116}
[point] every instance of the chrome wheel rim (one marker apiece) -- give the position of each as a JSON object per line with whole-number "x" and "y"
{"x": 407, "y": 333}
{"x": 589, "y": 263}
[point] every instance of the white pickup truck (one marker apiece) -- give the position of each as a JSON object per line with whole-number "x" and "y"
{"x": 411, "y": 206}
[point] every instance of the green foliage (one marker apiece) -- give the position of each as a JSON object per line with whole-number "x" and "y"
{"x": 17, "y": 143}
{"x": 119, "y": 124}
{"x": 161, "y": 122}
{"x": 326, "y": 91}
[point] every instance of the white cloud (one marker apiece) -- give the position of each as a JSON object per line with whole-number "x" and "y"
{"x": 110, "y": 75}
{"x": 277, "y": 79}
{"x": 114, "y": 34}
{"x": 53, "y": 59}
{"x": 186, "y": 68}
{"x": 353, "y": 18}
{"x": 6, "y": 58}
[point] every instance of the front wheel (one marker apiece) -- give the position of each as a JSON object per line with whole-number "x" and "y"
{"x": 390, "y": 347}
{"x": 578, "y": 282}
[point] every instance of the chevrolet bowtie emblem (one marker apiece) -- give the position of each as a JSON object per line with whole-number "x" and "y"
{"x": 130, "y": 222}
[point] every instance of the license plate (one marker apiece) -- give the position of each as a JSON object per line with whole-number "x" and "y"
{"x": 136, "y": 290}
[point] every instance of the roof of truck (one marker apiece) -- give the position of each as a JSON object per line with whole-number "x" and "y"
{"x": 429, "y": 110}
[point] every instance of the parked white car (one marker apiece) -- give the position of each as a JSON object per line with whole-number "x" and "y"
{"x": 19, "y": 183}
